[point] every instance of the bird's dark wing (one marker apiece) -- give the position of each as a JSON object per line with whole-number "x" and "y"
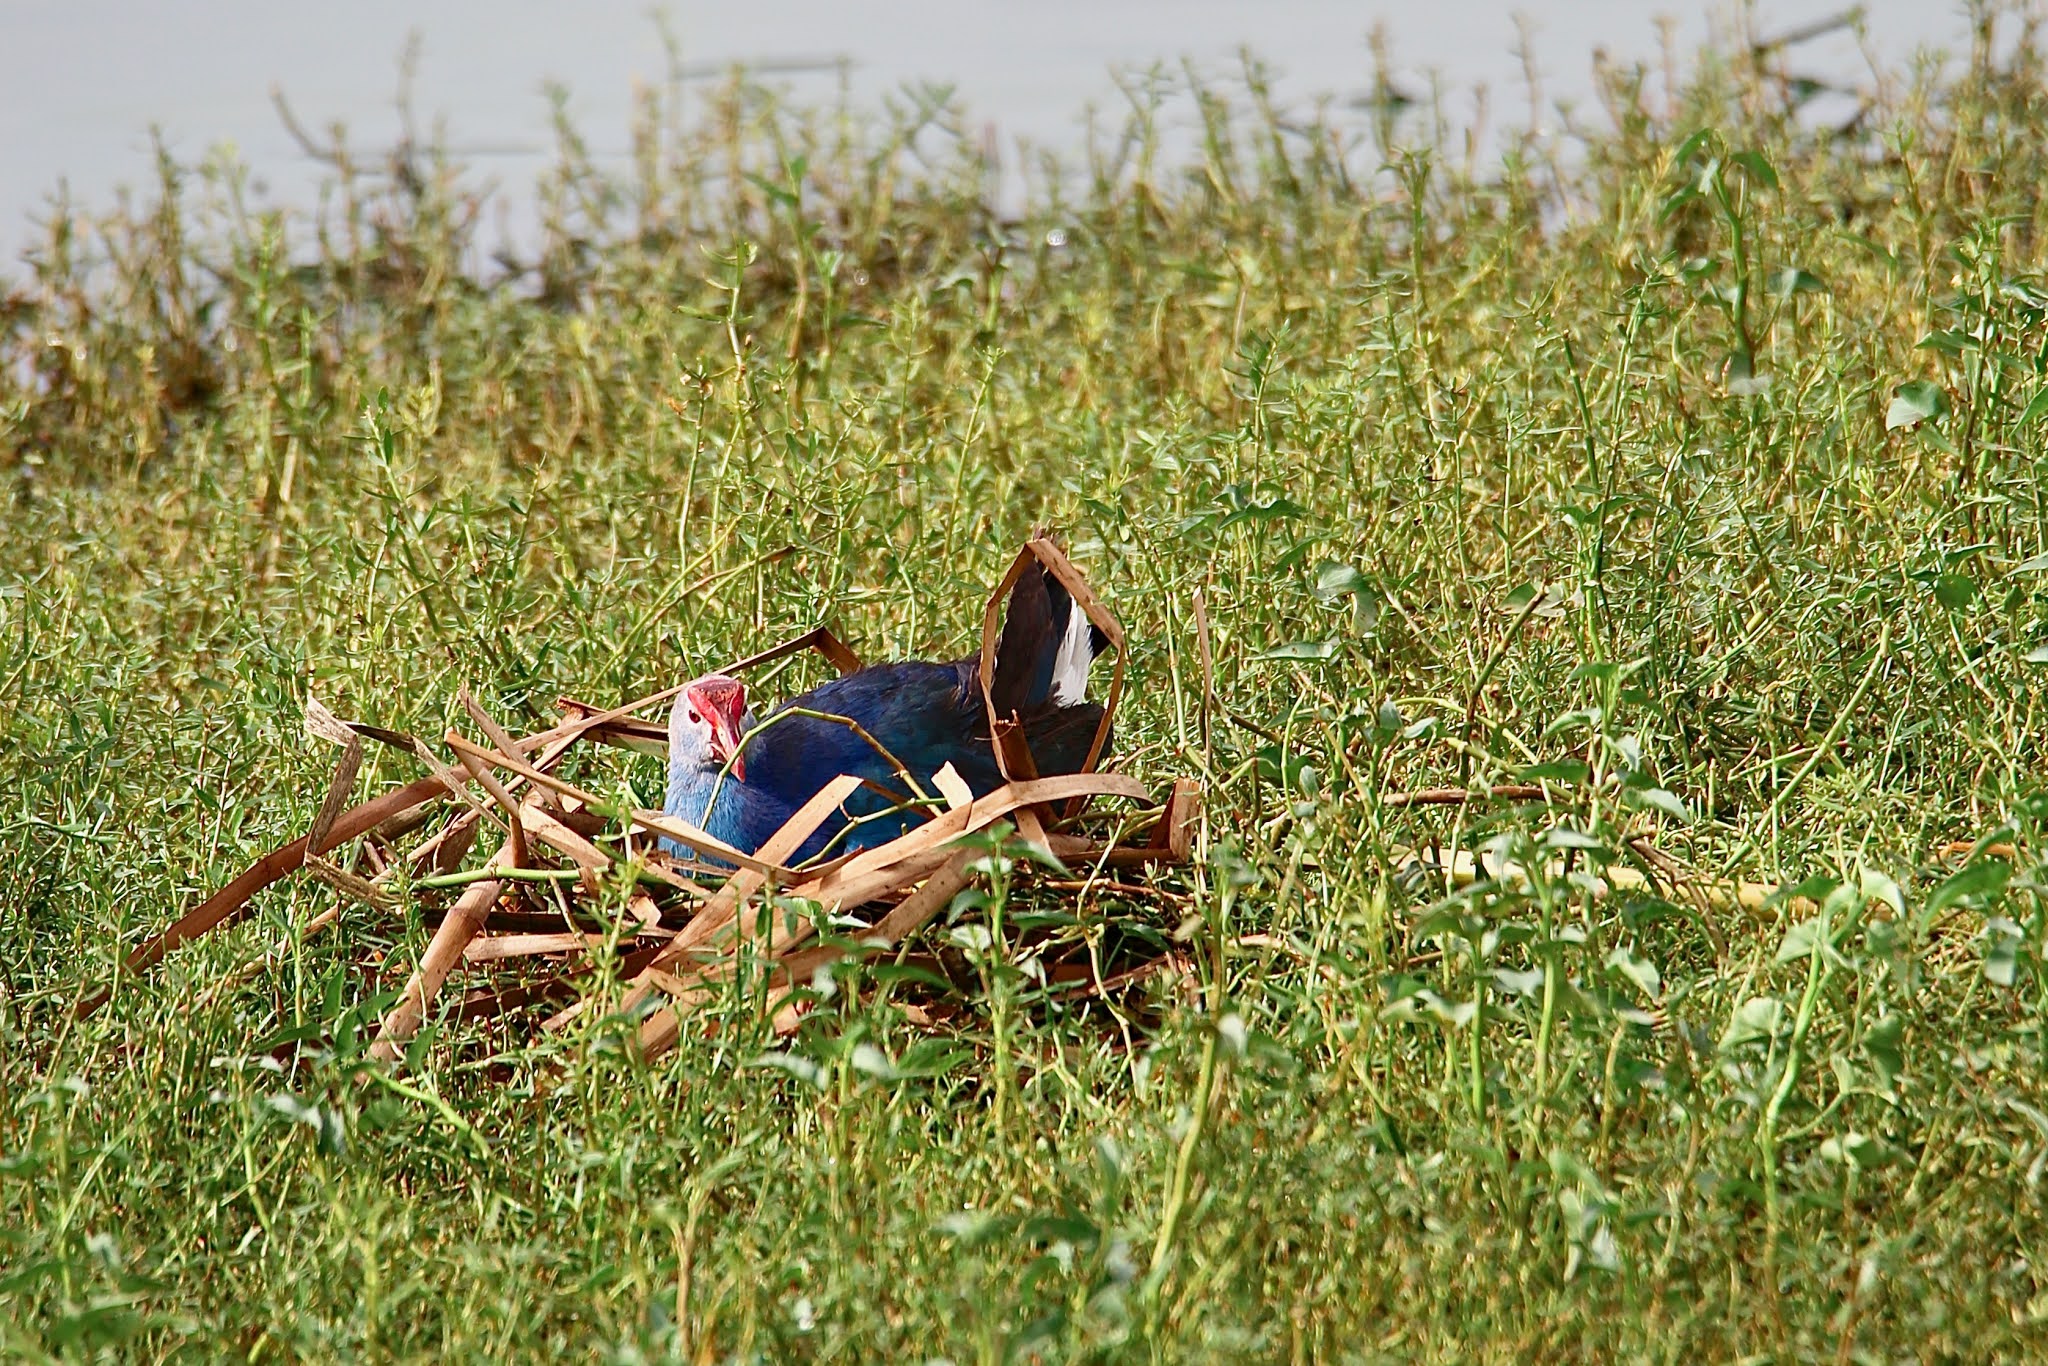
{"x": 1030, "y": 640}
{"x": 928, "y": 715}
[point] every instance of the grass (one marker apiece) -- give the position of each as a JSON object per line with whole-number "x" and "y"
{"x": 1694, "y": 476}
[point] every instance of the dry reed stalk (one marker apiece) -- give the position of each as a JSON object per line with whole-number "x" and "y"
{"x": 515, "y": 824}
{"x": 461, "y": 832}
{"x": 350, "y": 884}
{"x": 464, "y": 919}
{"x": 917, "y": 855}
{"x": 1174, "y": 835}
{"x": 819, "y": 638}
{"x": 325, "y": 724}
{"x": 563, "y": 840}
{"x": 953, "y": 788}
{"x": 660, "y": 822}
{"x": 497, "y": 948}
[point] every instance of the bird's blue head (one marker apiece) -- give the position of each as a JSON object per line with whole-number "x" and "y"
{"x": 709, "y": 720}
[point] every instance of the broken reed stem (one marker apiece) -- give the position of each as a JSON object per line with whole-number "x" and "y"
{"x": 232, "y": 899}
{"x": 465, "y": 918}
{"x": 497, "y": 736}
{"x": 660, "y": 822}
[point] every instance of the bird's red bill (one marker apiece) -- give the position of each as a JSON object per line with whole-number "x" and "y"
{"x": 723, "y": 702}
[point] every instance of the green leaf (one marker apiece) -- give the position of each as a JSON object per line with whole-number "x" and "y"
{"x": 2033, "y": 564}
{"x": 1757, "y": 167}
{"x": 926, "y": 1058}
{"x": 1690, "y": 148}
{"x": 1857, "y": 1150}
{"x": 1564, "y": 837}
{"x": 1949, "y": 343}
{"x": 1518, "y": 983}
{"x": 1273, "y": 510}
{"x": 872, "y": 1061}
{"x": 1802, "y": 940}
{"x": 1792, "y": 280}
{"x": 1758, "y": 1019}
{"x": 1336, "y": 581}
{"x": 1548, "y": 601}
{"x": 1657, "y": 799}
{"x": 798, "y": 1066}
{"x": 1816, "y": 888}
{"x": 1303, "y": 649}
{"x": 2002, "y": 939}
{"x": 1677, "y": 200}
{"x": 1955, "y": 591}
{"x": 1234, "y": 1033}
{"x": 1871, "y": 885}
{"x": 973, "y": 1227}
{"x": 1881, "y": 1042}
{"x": 781, "y": 194}
{"x": 329, "y": 1128}
{"x": 1978, "y": 885}
{"x": 1914, "y": 402}
{"x": 1424, "y": 1004}
{"x": 2036, "y": 407}
{"x": 1636, "y": 969}
{"x": 973, "y": 938}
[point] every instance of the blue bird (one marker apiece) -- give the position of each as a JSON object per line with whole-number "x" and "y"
{"x": 926, "y": 714}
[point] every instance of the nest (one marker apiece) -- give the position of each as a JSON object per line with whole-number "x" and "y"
{"x": 535, "y": 914}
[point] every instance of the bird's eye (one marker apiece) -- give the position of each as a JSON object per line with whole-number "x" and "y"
{"x": 694, "y": 718}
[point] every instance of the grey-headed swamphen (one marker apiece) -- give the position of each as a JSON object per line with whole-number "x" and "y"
{"x": 926, "y": 714}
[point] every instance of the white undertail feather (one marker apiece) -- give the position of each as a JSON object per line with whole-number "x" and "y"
{"x": 1076, "y": 653}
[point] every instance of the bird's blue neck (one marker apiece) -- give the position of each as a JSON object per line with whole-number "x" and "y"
{"x": 734, "y": 812}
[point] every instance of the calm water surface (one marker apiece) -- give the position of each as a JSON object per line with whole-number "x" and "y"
{"x": 86, "y": 79}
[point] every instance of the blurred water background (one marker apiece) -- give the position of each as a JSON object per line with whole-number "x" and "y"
{"x": 87, "y": 80}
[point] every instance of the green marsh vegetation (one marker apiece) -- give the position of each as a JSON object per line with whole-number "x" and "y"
{"x": 1690, "y": 474}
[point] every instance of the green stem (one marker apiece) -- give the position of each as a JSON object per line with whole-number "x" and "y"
{"x": 1474, "y": 1057}
{"x": 999, "y": 1002}
{"x": 1184, "y": 1162}
{"x": 470, "y": 875}
{"x": 1767, "y": 1130}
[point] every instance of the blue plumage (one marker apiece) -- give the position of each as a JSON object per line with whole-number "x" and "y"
{"x": 926, "y": 714}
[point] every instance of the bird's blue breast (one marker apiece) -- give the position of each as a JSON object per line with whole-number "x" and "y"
{"x": 742, "y": 815}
